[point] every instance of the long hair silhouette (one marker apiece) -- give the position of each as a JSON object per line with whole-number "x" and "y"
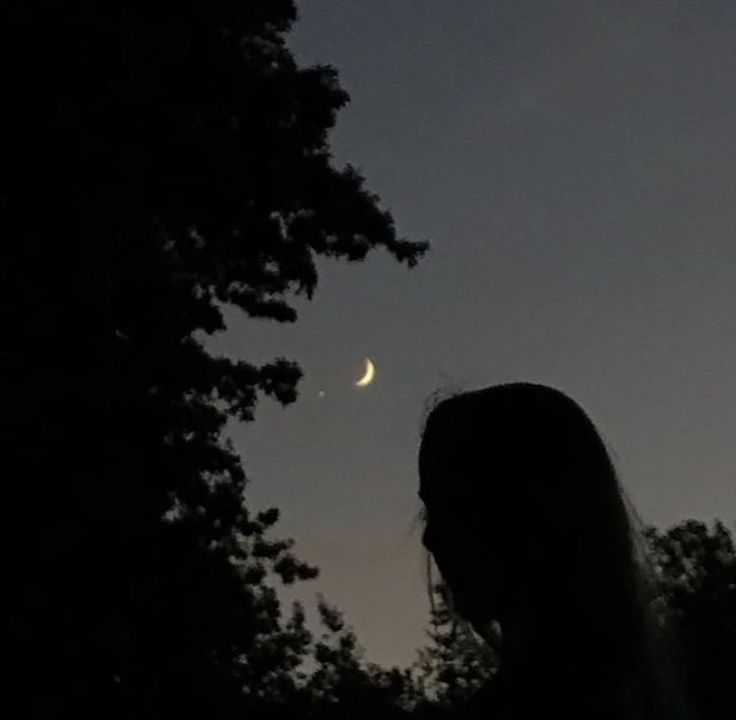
{"x": 532, "y": 532}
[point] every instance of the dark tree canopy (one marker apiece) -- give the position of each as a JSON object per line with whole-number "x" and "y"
{"x": 697, "y": 564}
{"x": 158, "y": 159}
{"x": 456, "y": 663}
{"x": 180, "y": 144}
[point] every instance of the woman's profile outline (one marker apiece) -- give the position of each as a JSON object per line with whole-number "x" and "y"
{"x": 529, "y": 527}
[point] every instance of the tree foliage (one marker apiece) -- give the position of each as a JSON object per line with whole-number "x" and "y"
{"x": 159, "y": 160}
{"x": 456, "y": 662}
{"x": 697, "y": 567}
{"x": 343, "y": 685}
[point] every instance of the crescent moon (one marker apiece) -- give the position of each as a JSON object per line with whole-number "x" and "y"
{"x": 370, "y": 371}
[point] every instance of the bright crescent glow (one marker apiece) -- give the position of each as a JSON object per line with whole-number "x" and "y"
{"x": 367, "y": 378}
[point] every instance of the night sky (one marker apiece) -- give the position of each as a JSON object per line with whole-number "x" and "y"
{"x": 574, "y": 166}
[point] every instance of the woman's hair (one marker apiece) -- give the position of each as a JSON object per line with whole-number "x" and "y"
{"x": 539, "y": 488}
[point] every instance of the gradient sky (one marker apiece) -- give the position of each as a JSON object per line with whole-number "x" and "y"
{"x": 574, "y": 166}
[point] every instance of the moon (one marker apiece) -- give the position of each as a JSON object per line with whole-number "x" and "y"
{"x": 370, "y": 371}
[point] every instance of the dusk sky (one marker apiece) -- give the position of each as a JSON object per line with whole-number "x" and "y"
{"x": 574, "y": 166}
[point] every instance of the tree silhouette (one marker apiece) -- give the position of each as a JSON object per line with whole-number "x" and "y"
{"x": 697, "y": 566}
{"x": 456, "y": 663}
{"x": 343, "y": 685}
{"x": 159, "y": 160}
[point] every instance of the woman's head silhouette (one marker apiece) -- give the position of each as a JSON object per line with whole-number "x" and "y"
{"x": 529, "y": 527}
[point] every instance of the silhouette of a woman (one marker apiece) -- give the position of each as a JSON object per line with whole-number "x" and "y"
{"x": 529, "y": 527}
